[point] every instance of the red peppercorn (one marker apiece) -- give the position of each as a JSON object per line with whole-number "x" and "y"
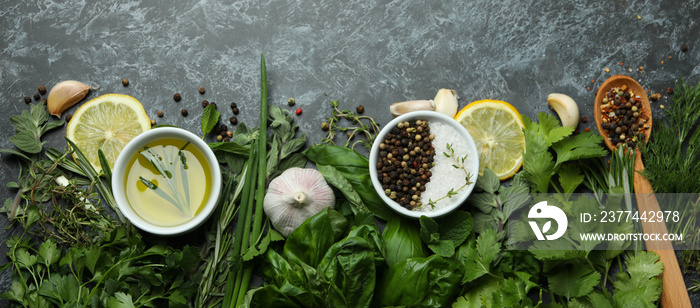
{"x": 298, "y": 111}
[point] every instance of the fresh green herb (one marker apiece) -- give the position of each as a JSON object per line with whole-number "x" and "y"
{"x": 446, "y": 234}
{"x": 354, "y": 167}
{"x": 239, "y": 278}
{"x": 672, "y": 163}
{"x": 171, "y": 166}
{"x": 494, "y": 204}
{"x": 210, "y": 116}
{"x": 539, "y": 164}
{"x": 357, "y": 128}
{"x": 110, "y": 273}
{"x": 29, "y": 127}
{"x": 458, "y": 164}
{"x": 402, "y": 238}
{"x": 283, "y": 144}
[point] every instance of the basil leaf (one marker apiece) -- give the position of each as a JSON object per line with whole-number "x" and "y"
{"x": 210, "y": 116}
{"x": 403, "y": 241}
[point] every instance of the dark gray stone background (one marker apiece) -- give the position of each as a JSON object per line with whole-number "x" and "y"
{"x": 372, "y": 53}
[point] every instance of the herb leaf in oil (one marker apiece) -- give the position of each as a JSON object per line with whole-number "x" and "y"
{"x": 168, "y": 167}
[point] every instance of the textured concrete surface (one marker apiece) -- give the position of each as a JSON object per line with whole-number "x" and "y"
{"x": 358, "y": 52}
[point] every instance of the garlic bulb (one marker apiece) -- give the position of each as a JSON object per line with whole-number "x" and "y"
{"x": 294, "y": 196}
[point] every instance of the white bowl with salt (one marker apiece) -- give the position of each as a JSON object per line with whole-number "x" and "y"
{"x": 454, "y": 170}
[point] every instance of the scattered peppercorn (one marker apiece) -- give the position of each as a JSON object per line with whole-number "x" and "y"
{"x": 655, "y": 97}
{"x": 226, "y": 139}
{"x": 360, "y": 109}
{"x": 223, "y": 128}
{"x": 201, "y": 90}
{"x": 234, "y": 105}
{"x": 153, "y": 122}
{"x": 37, "y": 96}
{"x": 298, "y": 111}
{"x": 235, "y": 110}
{"x": 184, "y": 112}
{"x": 669, "y": 91}
{"x": 159, "y": 113}
{"x": 291, "y": 101}
{"x": 177, "y": 97}
{"x": 233, "y": 120}
{"x": 584, "y": 119}
{"x": 229, "y": 133}
{"x": 662, "y": 106}
{"x": 586, "y": 129}
{"x": 324, "y": 126}
{"x": 684, "y": 48}
{"x": 68, "y": 117}
{"x": 42, "y": 90}
{"x": 219, "y": 138}
{"x": 125, "y": 82}
{"x": 205, "y": 103}
{"x": 27, "y": 99}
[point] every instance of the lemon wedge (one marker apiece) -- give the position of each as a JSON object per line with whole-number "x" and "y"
{"x": 108, "y": 123}
{"x": 497, "y": 130}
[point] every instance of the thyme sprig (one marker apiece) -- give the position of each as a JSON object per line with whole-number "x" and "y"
{"x": 362, "y": 126}
{"x": 458, "y": 163}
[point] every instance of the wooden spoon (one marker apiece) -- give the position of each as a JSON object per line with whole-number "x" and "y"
{"x": 674, "y": 292}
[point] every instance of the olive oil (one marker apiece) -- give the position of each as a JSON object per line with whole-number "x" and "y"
{"x": 168, "y": 182}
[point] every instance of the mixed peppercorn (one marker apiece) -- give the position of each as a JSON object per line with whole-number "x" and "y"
{"x": 623, "y": 119}
{"x": 405, "y": 158}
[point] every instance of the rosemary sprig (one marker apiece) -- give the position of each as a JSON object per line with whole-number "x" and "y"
{"x": 362, "y": 126}
{"x": 458, "y": 164}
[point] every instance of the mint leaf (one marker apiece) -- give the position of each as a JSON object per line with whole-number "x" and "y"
{"x": 488, "y": 182}
{"x": 455, "y": 227}
{"x": 210, "y": 116}
{"x": 428, "y": 226}
{"x": 573, "y": 280}
{"x": 27, "y": 141}
{"x": 39, "y": 113}
{"x": 51, "y": 125}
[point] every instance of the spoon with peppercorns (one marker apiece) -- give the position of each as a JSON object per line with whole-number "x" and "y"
{"x": 623, "y": 116}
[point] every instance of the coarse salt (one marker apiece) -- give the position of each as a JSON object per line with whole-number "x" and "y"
{"x": 445, "y": 176}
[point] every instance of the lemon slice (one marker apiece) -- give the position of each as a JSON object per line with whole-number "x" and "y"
{"x": 107, "y": 122}
{"x": 497, "y": 130}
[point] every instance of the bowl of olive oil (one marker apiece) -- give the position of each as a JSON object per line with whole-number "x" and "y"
{"x": 166, "y": 181}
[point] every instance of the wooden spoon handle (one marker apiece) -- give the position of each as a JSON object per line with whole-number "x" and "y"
{"x": 674, "y": 292}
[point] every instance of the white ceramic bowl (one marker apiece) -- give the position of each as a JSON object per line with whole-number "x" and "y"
{"x": 119, "y": 173}
{"x": 430, "y": 116}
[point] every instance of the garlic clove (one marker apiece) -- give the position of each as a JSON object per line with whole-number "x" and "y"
{"x": 446, "y": 102}
{"x": 565, "y": 107}
{"x": 65, "y": 94}
{"x": 294, "y": 196}
{"x": 398, "y": 109}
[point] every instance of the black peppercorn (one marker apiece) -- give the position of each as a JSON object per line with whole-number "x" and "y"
{"x": 125, "y": 82}
{"x": 205, "y": 103}
{"x": 27, "y": 99}
{"x": 160, "y": 113}
{"x": 177, "y": 97}
{"x": 201, "y": 90}
{"x": 233, "y": 120}
{"x": 68, "y": 117}
{"x": 42, "y": 90}
{"x": 184, "y": 112}
{"x": 684, "y": 48}
{"x": 37, "y": 96}
{"x": 360, "y": 109}
{"x": 223, "y": 127}
{"x": 235, "y": 110}
{"x": 234, "y": 105}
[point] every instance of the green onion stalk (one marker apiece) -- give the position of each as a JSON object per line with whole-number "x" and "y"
{"x": 253, "y": 194}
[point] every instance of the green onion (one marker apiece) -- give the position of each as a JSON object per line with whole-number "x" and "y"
{"x": 238, "y": 281}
